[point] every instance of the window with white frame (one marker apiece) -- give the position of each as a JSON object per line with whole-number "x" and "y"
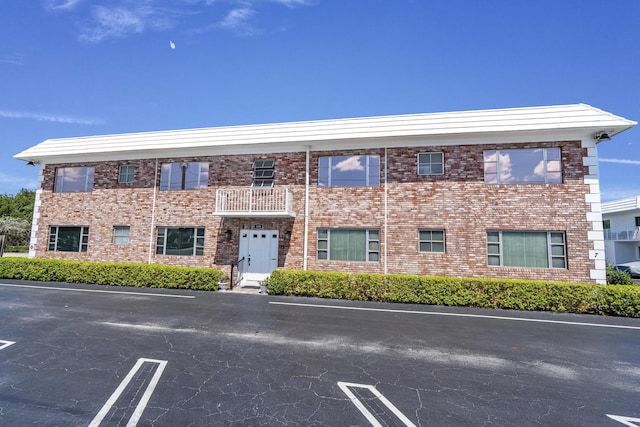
{"x": 430, "y": 163}
{"x": 263, "y": 173}
{"x": 523, "y": 166}
{"x": 121, "y": 234}
{"x": 545, "y": 249}
{"x": 74, "y": 179}
{"x": 180, "y": 241}
{"x": 349, "y": 171}
{"x": 339, "y": 244}
{"x": 126, "y": 174}
{"x": 184, "y": 176}
{"x": 68, "y": 238}
{"x": 431, "y": 241}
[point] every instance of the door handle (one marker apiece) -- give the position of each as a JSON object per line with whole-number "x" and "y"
{"x": 249, "y": 260}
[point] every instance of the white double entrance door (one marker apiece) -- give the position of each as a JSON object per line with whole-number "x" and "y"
{"x": 260, "y": 251}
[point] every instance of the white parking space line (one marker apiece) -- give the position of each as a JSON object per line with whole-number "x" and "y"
{"x": 53, "y": 288}
{"x": 628, "y": 421}
{"x": 477, "y": 316}
{"x": 4, "y": 344}
{"x": 346, "y": 388}
{"x": 137, "y": 413}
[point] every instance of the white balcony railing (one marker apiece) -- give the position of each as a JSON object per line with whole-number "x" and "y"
{"x": 629, "y": 234}
{"x": 254, "y": 201}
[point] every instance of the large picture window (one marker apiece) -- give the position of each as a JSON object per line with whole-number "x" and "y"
{"x": 337, "y": 244}
{"x": 180, "y": 241}
{"x": 68, "y": 239}
{"x": 523, "y": 166}
{"x": 74, "y": 179}
{"x": 349, "y": 171}
{"x": 546, "y": 249}
{"x": 184, "y": 176}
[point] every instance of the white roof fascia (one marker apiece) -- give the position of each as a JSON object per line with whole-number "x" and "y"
{"x": 283, "y": 137}
{"x": 628, "y": 204}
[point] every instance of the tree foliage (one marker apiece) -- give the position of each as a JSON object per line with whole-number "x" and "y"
{"x": 19, "y": 205}
{"x": 16, "y": 230}
{"x": 16, "y": 212}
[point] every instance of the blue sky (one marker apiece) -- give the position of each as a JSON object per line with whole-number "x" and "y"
{"x": 86, "y": 67}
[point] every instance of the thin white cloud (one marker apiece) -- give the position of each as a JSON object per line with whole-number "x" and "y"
{"x": 48, "y": 117}
{"x": 239, "y": 21}
{"x": 113, "y": 23}
{"x": 617, "y": 193}
{"x": 292, "y": 3}
{"x": 120, "y": 22}
{"x": 14, "y": 59}
{"x": 12, "y": 184}
{"x": 622, "y": 161}
{"x": 119, "y": 19}
{"x": 62, "y": 4}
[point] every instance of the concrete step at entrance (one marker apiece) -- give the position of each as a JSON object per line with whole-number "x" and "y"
{"x": 252, "y": 280}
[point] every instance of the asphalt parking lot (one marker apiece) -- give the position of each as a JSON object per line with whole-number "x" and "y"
{"x": 95, "y": 356}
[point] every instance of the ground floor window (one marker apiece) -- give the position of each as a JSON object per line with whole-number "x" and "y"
{"x": 121, "y": 235}
{"x": 431, "y": 241}
{"x": 546, "y": 249}
{"x": 180, "y": 241}
{"x": 338, "y": 244}
{"x": 68, "y": 239}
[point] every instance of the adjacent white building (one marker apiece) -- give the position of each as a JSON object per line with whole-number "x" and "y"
{"x": 621, "y": 222}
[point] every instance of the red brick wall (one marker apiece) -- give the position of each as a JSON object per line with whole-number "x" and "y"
{"x": 458, "y": 202}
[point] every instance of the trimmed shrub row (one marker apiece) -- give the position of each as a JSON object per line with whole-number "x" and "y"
{"x": 614, "y": 300}
{"x": 106, "y": 273}
{"x": 17, "y": 249}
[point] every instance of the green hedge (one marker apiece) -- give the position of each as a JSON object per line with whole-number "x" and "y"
{"x": 105, "y": 273}
{"x": 17, "y": 249}
{"x": 615, "y": 300}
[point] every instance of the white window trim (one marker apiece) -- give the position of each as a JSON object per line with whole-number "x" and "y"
{"x": 368, "y": 251}
{"x": 84, "y": 232}
{"x": 550, "y": 244}
{"x": 116, "y": 235}
{"x": 195, "y": 247}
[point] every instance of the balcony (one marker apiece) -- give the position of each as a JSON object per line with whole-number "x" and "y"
{"x": 254, "y": 202}
{"x": 625, "y": 235}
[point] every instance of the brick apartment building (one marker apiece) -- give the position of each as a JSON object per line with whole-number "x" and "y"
{"x": 508, "y": 193}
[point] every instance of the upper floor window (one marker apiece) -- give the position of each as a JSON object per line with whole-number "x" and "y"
{"x": 74, "y": 179}
{"x": 263, "y": 173}
{"x": 68, "y": 239}
{"x": 338, "y": 244}
{"x": 523, "y": 166}
{"x": 638, "y": 221}
{"x": 184, "y": 176}
{"x": 430, "y": 163}
{"x": 606, "y": 224}
{"x": 545, "y": 249}
{"x": 349, "y": 171}
{"x": 126, "y": 174}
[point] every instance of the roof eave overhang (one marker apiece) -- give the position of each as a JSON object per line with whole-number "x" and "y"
{"x": 441, "y": 137}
